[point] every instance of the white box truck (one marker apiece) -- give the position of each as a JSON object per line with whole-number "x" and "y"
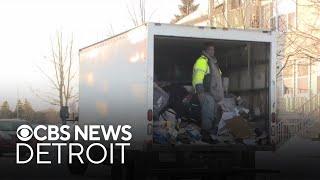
{"x": 117, "y": 77}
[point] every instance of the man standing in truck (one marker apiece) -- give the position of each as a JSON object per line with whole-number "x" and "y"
{"x": 207, "y": 82}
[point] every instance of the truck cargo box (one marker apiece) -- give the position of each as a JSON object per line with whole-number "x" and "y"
{"x": 117, "y": 75}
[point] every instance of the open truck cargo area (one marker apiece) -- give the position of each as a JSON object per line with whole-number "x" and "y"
{"x": 117, "y": 78}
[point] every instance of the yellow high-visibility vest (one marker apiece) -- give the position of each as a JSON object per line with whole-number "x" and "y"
{"x": 200, "y": 70}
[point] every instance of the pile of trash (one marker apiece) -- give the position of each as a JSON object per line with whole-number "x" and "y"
{"x": 234, "y": 124}
{"x": 176, "y": 116}
{"x": 170, "y": 130}
{"x": 172, "y": 127}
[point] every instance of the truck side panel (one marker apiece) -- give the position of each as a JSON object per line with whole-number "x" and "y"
{"x": 113, "y": 83}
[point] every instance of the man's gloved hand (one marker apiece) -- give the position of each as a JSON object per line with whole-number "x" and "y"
{"x": 200, "y": 91}
{"x": 199, "y": 88}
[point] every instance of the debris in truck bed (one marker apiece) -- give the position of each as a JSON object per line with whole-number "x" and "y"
{"x": 241, "y": 102}
{"x": 160, "y": 136}
{"x": 233, "y": 127}
{"x": 228, "y": 104}
{"x": 183, "y": 137}
{"x": 223, "y": 121}
{"x": 226, "y": 138}
{"x": 257, "y": 111}
{"x": 176, "y": 95}
{"x": 184, "y": 103}
{"x": 249, "y": 141}
{"x": 169, "y": 118}
{"x": 160, "y": 100}
{"x": 170, "y": 130}
{"x": 262, "y": 139}
{"x": 194, "y": 132}
{"x": 238, "y": 127}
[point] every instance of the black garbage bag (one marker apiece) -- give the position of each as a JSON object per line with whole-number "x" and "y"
{"x": 185, "y": 105}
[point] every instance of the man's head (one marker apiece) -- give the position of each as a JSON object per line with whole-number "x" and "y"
{"x": 209, "y": 49}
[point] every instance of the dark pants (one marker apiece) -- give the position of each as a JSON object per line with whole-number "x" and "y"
{"x": 208, "y": 113}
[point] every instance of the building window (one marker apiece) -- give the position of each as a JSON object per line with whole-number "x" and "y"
{"x": 266, "y": 14}
{"x": 285, "y": 22}
{"x": 288, "y": 86}
{"x": 303, "y": 83}
{"x": 288, "y": 71}
{"x": 303, "y": 70}
{"x": 235, "y": 4}
{"x": 291, "y": 21}
{"x": 282, "y": 23}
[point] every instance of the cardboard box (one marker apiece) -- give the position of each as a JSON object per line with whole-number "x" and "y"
{"x": 238, "y": 127}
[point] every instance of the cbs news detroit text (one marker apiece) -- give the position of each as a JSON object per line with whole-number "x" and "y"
{"x": 106, "y": 138}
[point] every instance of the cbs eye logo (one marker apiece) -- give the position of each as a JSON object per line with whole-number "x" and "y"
{"x": 24, "y": 132}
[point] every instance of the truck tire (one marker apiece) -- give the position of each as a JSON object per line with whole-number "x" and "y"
{"x": 76, "y": 167}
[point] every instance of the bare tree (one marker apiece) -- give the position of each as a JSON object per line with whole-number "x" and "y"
{"x": 138, "y": 12}
{"x": 137, "y": 15}
{"x": 302, "y": 40}
{"x": 61, "y": 74}
{"x": 298, "y": 52}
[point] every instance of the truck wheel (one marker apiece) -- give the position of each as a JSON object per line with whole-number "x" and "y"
{"x": 76, "y": 167}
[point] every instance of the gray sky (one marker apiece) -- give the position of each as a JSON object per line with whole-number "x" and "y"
{"x": 28, "y": 25}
